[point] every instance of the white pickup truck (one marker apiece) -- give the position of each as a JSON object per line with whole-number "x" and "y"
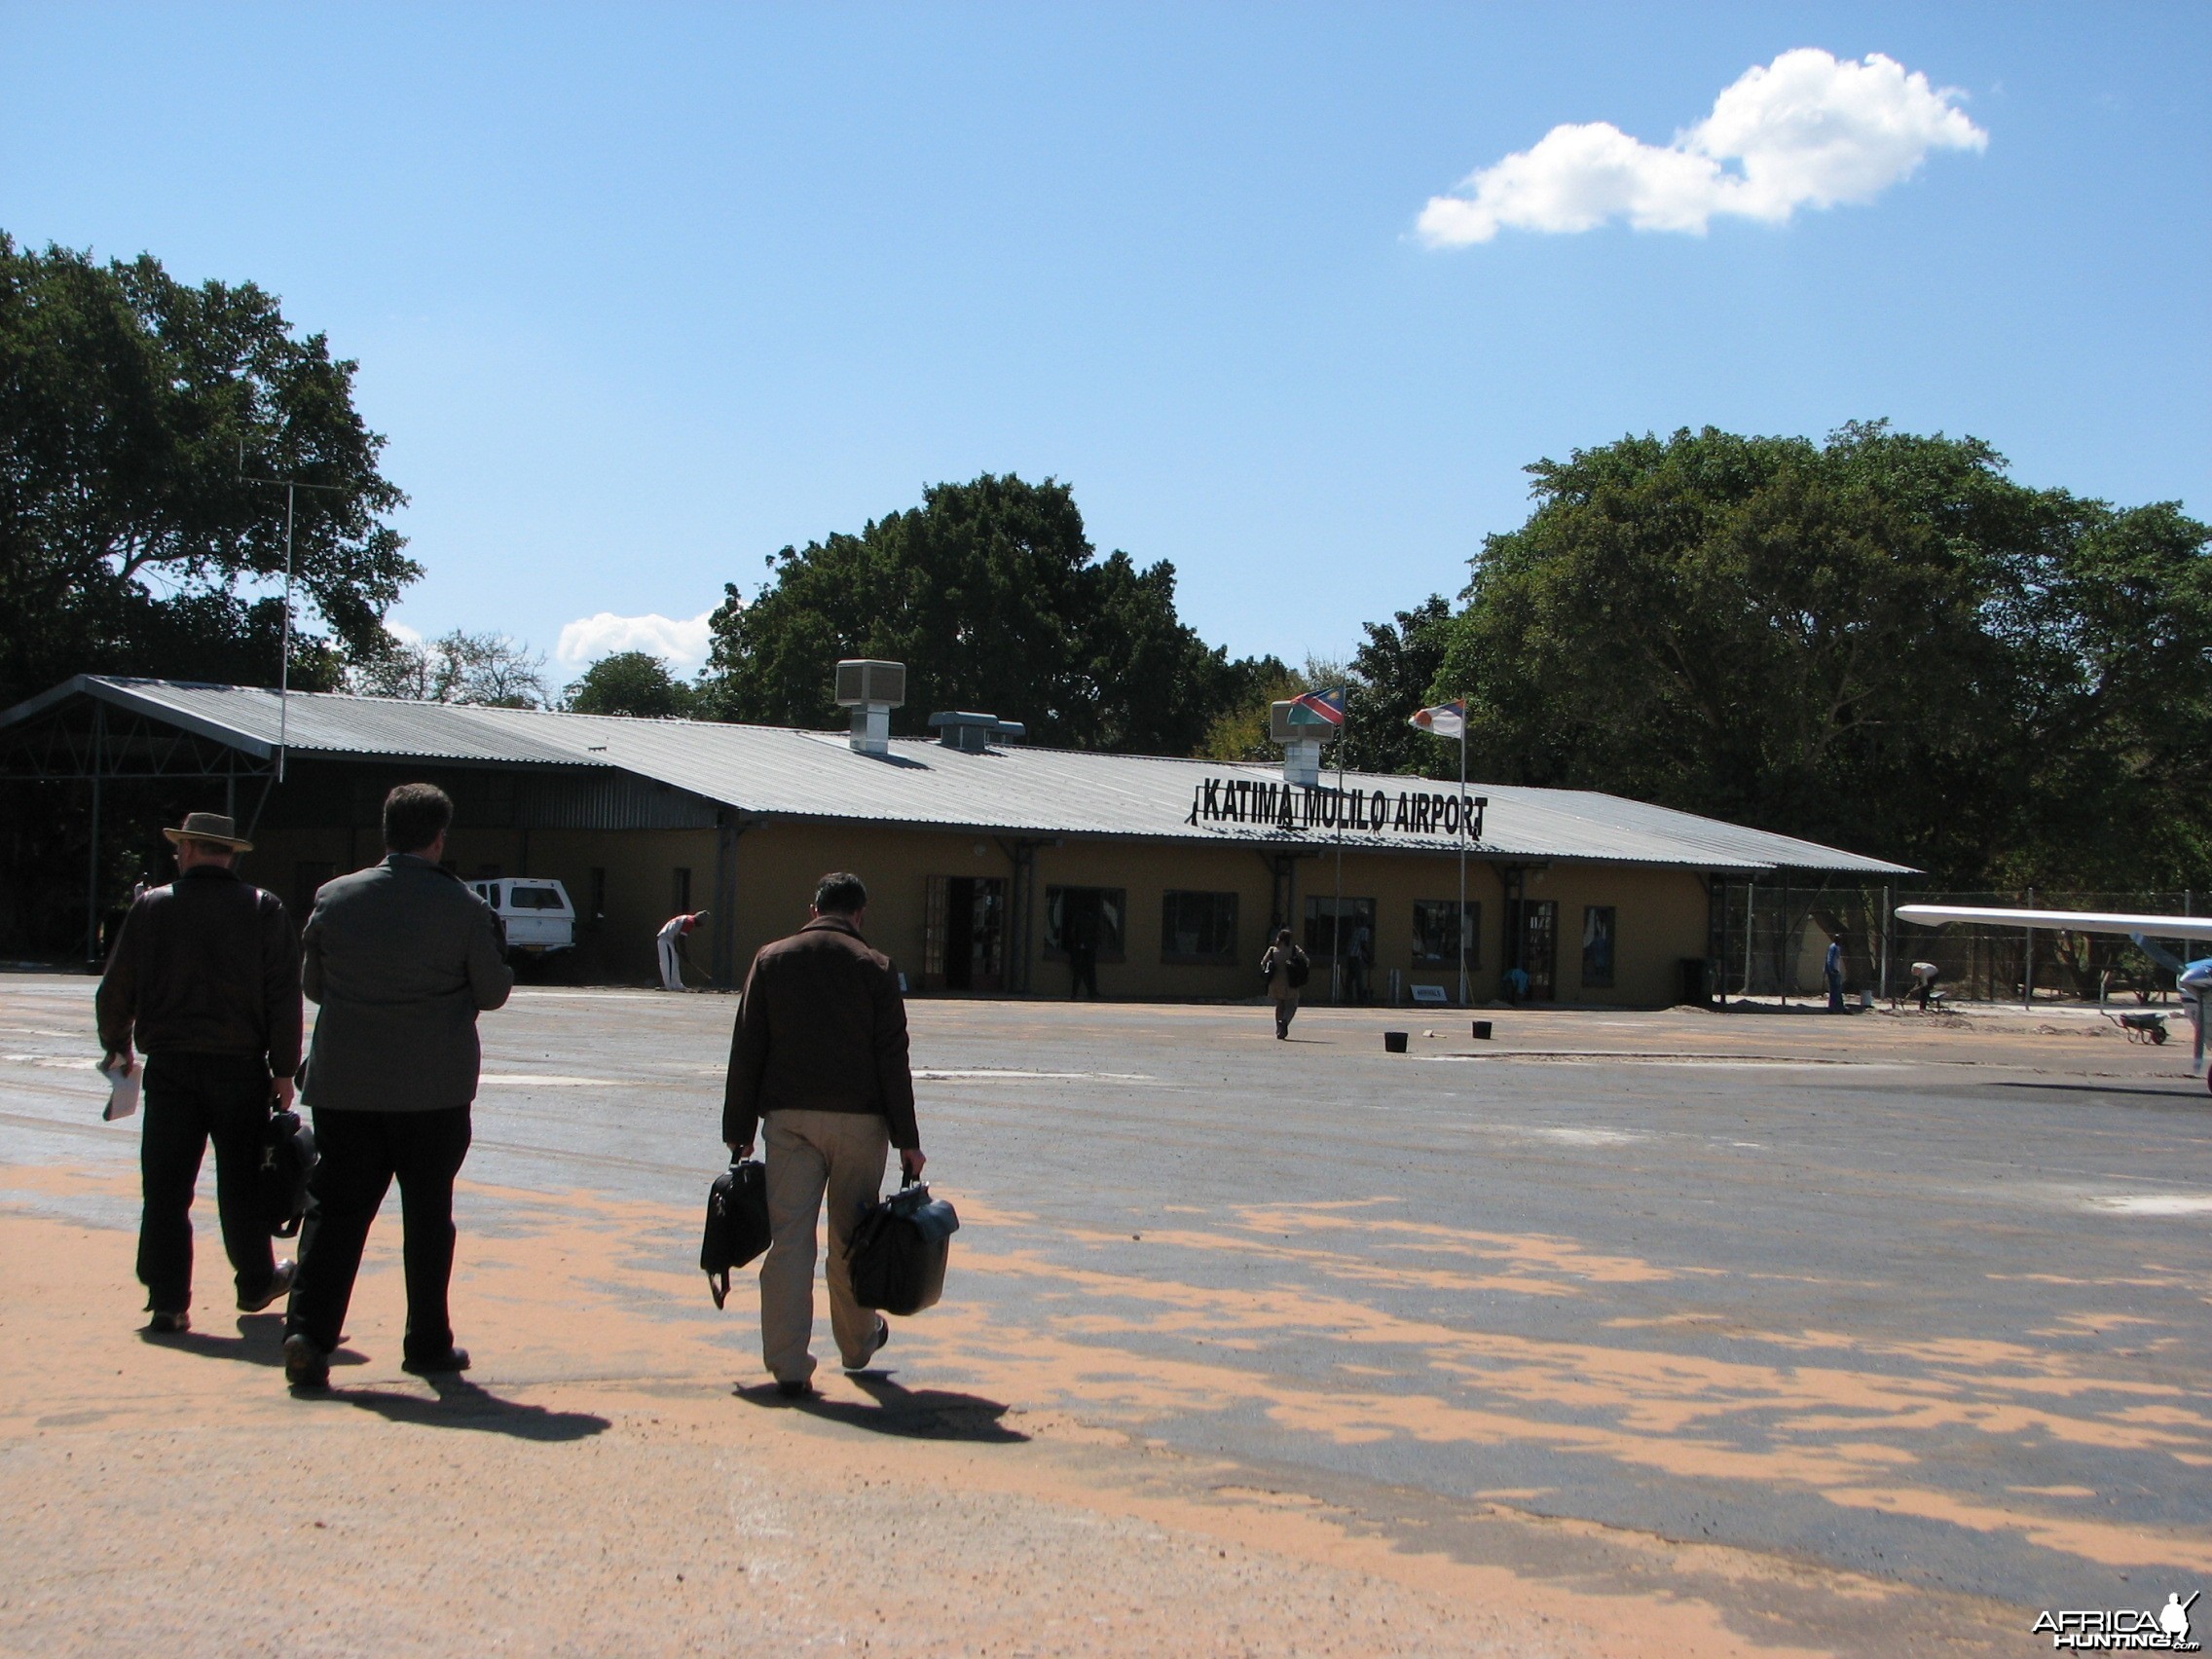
{"x": 540, "y": 920}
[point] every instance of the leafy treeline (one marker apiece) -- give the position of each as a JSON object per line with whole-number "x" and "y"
{"x": 130, "y": 405}
{"x": 995, "y": 600}
{"x": 1882, "y": 643}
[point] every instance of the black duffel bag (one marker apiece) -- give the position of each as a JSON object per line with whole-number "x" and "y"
{"x": 737, "y": 1224}
{"x": 281, "y": 1182}
{"x": 899, "y": 1250}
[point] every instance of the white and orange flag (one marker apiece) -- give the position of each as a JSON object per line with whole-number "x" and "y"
{"x": 1446, "y": 719}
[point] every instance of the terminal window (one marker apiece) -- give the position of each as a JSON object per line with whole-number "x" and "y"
{"x": 1090, "y": 915}
{"x": 1439, "y": 925}
{"x": 1329, "y": 919}
{"x": 1198, "y": 927}
{"x": 1597, "y": 945}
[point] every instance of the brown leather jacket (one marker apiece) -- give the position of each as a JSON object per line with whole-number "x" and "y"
{"x": 823, "y": 1028}
{"x": 208, "y": 965}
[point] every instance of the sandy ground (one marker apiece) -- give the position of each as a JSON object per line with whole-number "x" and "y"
{"x": 1020, "y": 1477}
{"x": 609, "y": 1487}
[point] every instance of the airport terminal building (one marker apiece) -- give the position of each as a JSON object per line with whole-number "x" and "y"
{"x": 982, "y": 854}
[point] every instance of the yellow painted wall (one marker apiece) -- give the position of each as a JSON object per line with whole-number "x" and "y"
{"x": 1661, "y": 913}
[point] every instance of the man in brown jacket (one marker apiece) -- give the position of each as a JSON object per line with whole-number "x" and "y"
{"x": 820, "y": 1052}
{"x": 204, "y": 980}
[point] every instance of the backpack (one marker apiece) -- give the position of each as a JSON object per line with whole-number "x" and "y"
{"x": 737, "y": 1224}
{"x": 899, "y": 1250}
{"x": 1300, "y": 968}
{"x": 281, "y": 1180}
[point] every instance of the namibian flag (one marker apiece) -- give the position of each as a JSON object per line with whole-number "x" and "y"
{"x": 1446, "y": 719}
{"x": 1318, "y": 708}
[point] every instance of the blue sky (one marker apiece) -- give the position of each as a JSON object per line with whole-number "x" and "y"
{"x": 640, "y": 295}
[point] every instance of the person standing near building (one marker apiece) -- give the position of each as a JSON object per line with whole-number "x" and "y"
{"x": 818, "y": 1067}
{"x": 402, "y": 957}
{"x": 1080, "y": 941}
{"x": 1359, "y": 958}
{"x": 205, "y": 981}
{"x": 670, "y": 939}
{"x": 1285, "y": 968}
{"x": 1831, "y": 968}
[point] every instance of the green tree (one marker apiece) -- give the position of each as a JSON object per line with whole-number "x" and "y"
{"x": 630, "y": 682}
{"x": 1394, "y": 672}
{"x": 1882, "y": 643}
{"x": 127, "y": 401}
{"x": 994, "y": 599}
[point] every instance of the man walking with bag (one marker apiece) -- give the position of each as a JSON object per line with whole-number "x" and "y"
{"x": 402, "y": 957}
{"x": 206, "y": 981}
{"x": 820, "y": 1055}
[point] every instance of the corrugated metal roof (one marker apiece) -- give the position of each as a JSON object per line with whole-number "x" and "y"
{"x": 774, "y": 771}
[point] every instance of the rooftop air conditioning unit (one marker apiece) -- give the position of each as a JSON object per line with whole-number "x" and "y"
{"x": 862, "y": 682}
{"x": 1301, "y": 745}
{"x": 974, "y": 733}
{"x": 871, "y": 690}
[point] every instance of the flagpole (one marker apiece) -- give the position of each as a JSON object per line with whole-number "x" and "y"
{"x": 1337, "y": 922}
{"x": 1461, "y": 925}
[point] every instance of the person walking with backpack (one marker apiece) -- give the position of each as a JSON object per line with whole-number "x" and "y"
{"x": 1285, "y": 968}
{"x": 402, "y": 957}
{"x": 818, "y": 1067}
{"x": 204, "y": 980}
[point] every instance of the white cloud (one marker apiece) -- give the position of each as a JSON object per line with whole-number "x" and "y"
{"x": 1807, "y": 130}
{"x": 682, "y": 643}
{"x": 401, "y": 632}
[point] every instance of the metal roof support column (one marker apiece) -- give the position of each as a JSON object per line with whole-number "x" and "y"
{"x": 725, "y": 952}
{"x": 92, "y": 868}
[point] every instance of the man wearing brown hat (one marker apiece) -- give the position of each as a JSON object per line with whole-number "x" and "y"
{"x": 205, "y": 981}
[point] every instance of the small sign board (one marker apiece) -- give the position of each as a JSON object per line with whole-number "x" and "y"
{"x": 1430, "y": 994}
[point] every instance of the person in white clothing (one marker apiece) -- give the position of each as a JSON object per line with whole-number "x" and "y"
{"x": 671, "y": 941}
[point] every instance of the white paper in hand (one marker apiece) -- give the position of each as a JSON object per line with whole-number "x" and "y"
{"x": 122, "y": 1093}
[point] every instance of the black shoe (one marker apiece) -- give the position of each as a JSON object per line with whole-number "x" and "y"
{"x": 882, "y": 1336}
{"x": 279, "y": 1284}
{"x": 437, "y": 1364}
{"x": 795, "y": 1388}
{"x": 169, "y": 1324}
{"x": 306, "y": 1368}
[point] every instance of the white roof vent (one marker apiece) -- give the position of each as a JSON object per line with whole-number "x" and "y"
{"x": 961, "y": 728}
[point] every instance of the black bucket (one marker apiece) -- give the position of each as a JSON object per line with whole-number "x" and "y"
{"x": 1395, "y": 1041}
{"x": 1482, "y": 1030}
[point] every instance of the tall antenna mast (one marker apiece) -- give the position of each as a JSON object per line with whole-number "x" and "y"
{"x": 291, "y": 488}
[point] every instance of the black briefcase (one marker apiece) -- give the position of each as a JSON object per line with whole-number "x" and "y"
{"x": 899, "y": 1250}
{"x": 737, "y": 1224}
{"x": 280, "y": 1182}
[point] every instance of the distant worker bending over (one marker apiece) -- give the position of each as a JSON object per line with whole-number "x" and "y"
{"x": 1924, "y": 977}
{"x": 673, "y": 933}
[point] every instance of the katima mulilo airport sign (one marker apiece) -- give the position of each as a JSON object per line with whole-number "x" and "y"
{"x": 1294, "y": 807}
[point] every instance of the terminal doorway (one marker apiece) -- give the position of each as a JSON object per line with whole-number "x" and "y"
{"x": 964, "y": 934}
{"x": 1539, "y": 947}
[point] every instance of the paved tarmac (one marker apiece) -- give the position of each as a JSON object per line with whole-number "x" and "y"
{"x": 1912, "y": 1310}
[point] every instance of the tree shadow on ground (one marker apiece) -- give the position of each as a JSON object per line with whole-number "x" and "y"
{"x": 2195, "y": 1096}
{"x": 910, "y": 1413}
{"x": 462, "y": 1404}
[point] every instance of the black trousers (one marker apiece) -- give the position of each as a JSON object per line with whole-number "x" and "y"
{"x": 363, "y": 1151}
{"x": 189, "y": 1100}
{"x": 1082, "y": 971}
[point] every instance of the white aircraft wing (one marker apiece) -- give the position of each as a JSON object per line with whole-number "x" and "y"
{"x": 2069, "y": 921}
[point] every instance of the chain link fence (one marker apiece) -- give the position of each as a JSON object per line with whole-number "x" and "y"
{"x": 1770, "y": 939}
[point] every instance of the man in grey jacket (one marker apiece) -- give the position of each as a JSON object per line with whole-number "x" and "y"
{"x": 402, "y": 957}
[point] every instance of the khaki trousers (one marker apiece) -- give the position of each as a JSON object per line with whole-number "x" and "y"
{"x": 810, "y": 1153}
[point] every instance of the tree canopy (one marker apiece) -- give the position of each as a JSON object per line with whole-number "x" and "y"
{"x": 126, "y": 525}
{"x": 630, "y": 682}
{"x": 992, "y": 596}
{"x": 1883, "y": 643}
